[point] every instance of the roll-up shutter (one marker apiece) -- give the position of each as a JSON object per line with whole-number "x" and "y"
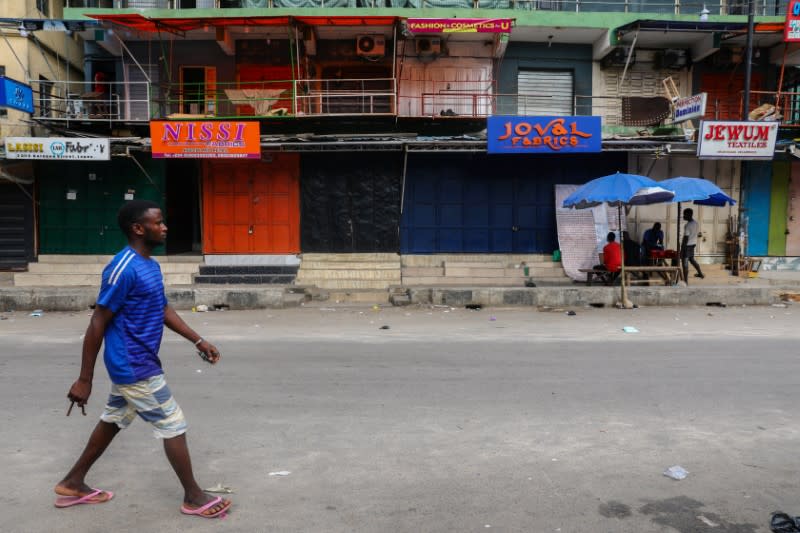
{"x": 544, "y": 92}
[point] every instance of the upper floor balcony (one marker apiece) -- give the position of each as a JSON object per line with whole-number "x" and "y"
{"x": 664, "y": 7}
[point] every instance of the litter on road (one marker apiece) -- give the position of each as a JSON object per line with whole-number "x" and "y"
{"x": 630, "y": 329}
{"x": 676, "y": 472}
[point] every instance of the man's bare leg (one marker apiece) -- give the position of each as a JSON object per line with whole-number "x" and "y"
{"x": 177, "y": 451}
{"x": 74, "y": 483}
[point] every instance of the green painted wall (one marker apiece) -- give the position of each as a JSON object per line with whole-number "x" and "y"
{"x": 88, "y": 224}
{"x": 781, "y": 174}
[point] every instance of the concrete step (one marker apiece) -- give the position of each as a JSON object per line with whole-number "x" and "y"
{"x": 206, "y": 270}
{"x": 97, "y": 268}
{"x": 358, "y": 257}
{"x": 348, "y": 284}
{"x": 349, "y": 265}
{"x": 28, "y": 279}
{"x": 464, "y": 282}
{"x": 365, "y": 274}
{"x": 505, "y": 259}
{"x": 245, "y": 279}
{"x": 104, "y": 259}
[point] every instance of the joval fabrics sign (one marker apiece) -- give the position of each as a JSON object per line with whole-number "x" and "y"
{"x": 63, "y": 148}
{"x": 543, "y": 135}
{"x": 205, "y": 139}
{"x": 737, "y": 140}
{"x": 16, "y": 95}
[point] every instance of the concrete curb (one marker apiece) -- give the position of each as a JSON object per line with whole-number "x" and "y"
{"x": 278, "y": 297}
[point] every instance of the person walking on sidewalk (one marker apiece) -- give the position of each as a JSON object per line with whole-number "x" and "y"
{"x": 130, "y": 316}
{"x": 690, "y": 233}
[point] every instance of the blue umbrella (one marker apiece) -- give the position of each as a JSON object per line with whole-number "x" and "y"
{"x": 617, "y": 190}
{"x": 697, "y": 190}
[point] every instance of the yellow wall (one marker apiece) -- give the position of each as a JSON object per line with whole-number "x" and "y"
{"x": 57, "y": 57}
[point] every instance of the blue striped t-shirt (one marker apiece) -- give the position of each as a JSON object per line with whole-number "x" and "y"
{"x": 133, "y": 290}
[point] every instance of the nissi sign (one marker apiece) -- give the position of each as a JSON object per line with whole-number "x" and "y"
{"x": 737, "y": 140}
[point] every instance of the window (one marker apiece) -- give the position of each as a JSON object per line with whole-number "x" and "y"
{"x": 544, "y": 92}
{"x": 44, "y": 7}
{"x": 45, "y": 94}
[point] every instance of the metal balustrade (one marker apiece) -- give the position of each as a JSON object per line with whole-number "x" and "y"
{"x": 92, "y": 101}
{"x": 672, "y": 7}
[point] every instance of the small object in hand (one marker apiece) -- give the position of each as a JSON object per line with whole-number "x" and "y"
{"x": 204, "y": 357}
{"x": 71, "y": 405}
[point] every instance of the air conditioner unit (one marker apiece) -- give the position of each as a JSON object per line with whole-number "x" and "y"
{"x": 671, "y": 59}
{"x": 427, "y": 46}
{"x": 371, "y": 45}
{"x": 617, "y": 57}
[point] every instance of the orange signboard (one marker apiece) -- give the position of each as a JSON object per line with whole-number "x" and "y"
{"x": 205, "y": 139}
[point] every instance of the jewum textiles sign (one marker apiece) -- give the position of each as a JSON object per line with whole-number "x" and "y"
{"x": 16, "y": 95}
{"x": 193, "y": 139}
{"x": 737, "y": 140}
{"x": 791, "y": 28}
{"x": 689, "y": 108}
{"x": 543, "y": 135}
{"x": 63, "y": 148}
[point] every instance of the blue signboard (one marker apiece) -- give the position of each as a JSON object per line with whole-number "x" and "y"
{"x": 16, "y": 95}
{"x": 543, "y": 135}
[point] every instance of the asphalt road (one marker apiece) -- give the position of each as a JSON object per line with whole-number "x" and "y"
{"x": 450, "y": 420}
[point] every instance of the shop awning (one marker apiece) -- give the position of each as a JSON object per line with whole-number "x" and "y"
{"x": 137, "y": 22}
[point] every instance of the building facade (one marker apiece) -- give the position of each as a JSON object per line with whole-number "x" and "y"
{"x": 371, "y": 122}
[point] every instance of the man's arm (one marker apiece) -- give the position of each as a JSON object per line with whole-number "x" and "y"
{"x": 82, "y": 388}
{"x": 176, "y": 324}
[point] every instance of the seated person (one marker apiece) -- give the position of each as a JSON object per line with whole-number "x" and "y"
{"x": 653, "y": 239}
{"x": 633, "y": 252}
{"x": 611, "y": 259}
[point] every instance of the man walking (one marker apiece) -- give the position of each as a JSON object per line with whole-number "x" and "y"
{"x": 130, "y": 316}
{"x": 690, "y": 232}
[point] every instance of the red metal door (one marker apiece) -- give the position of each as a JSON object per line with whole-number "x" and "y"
{"x": 252, "y": 207}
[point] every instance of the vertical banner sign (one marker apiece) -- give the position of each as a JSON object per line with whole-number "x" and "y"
{"x": 225, "y": 139}
{"x": 16, "y": 95}
{"x": 791, "y": 29}
{"x": 543, "y": 135}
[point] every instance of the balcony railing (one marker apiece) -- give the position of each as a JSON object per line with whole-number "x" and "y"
{"x": 92, "y": 101}
{"x": 674, "y": 7}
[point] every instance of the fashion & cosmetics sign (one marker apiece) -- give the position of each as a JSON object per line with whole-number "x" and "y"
{"x": 543, "y": 135}
{"x": 63, "y": 148}
{"x": 737, "y": 139}
{"x": 459, "y": 25}
{"x": 232, "y": 139}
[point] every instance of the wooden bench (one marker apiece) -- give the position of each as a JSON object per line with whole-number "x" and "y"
{"x": 603, "y": 275}
{"x": 670, "y": 274}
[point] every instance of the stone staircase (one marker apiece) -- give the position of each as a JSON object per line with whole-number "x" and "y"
{"x": 247, "y": 274}
{"x": 85, "y": 270}
{"x": 373, "y": 271}
{"x": 497, "y": 270}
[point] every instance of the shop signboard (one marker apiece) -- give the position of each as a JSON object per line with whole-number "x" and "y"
{"x": 689, "y": 107}
{"x": 16, "y": 95}
{"x": 224, "y": 139}
{"x": 58, "y": 148}
{"x": 791, "y": 28}
{"x": 443, "y": 25}
{"x": 543, "y": 135}
{"x": 721, "y": 139}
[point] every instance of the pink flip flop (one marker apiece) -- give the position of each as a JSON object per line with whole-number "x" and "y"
{"x": 69, "y": 501}
{"x": 199, "y": 511}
